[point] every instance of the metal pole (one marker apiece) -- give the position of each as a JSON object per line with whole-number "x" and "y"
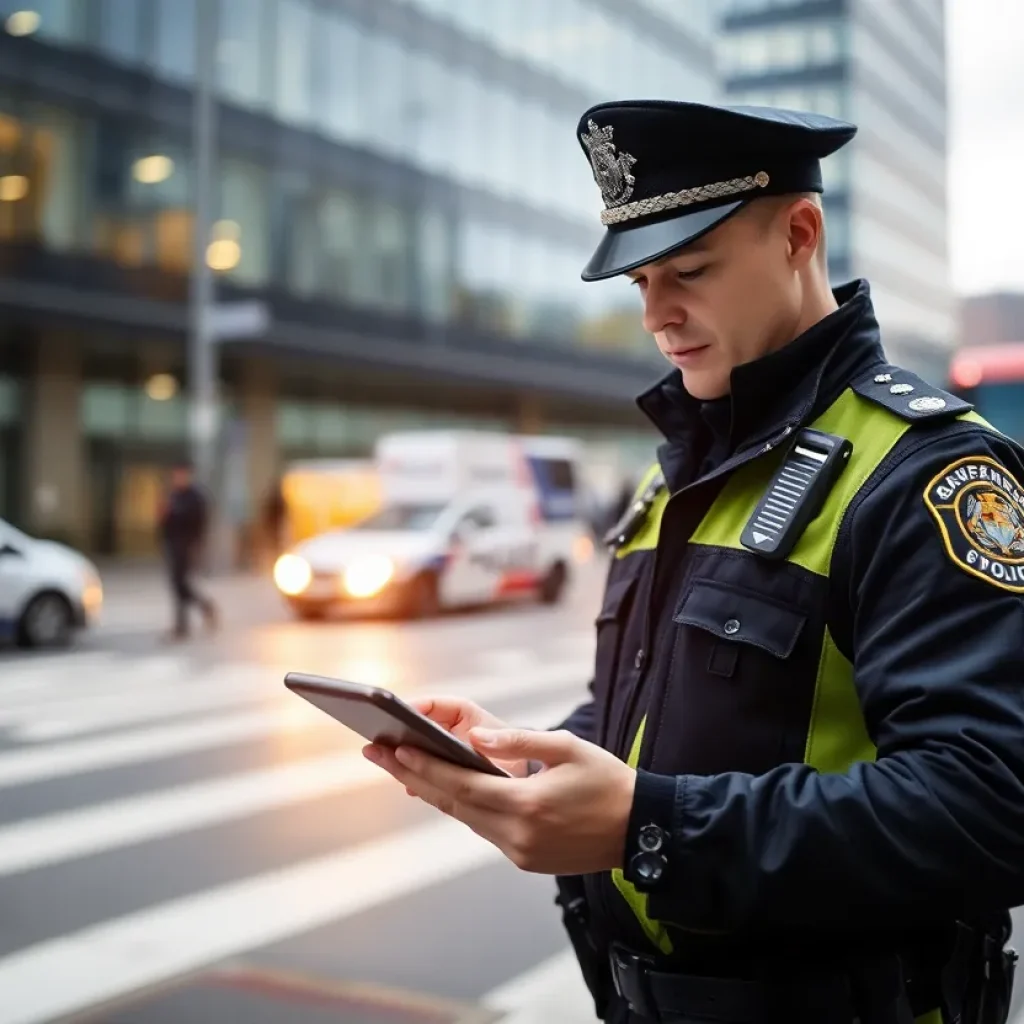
{"x": 202, "y": 342}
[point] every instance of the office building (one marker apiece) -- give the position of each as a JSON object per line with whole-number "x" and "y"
{"x": 881, "y": 64}
{"x": 397, "y": 182}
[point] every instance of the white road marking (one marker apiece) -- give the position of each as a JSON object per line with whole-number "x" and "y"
{"x": 236, "y": 685}
{"x": 40, "y": 842}
{"x": 79, "y": 970}
{"x": 553, "y": 990}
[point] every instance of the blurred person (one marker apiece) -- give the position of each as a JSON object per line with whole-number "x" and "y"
{"x": 797, "y": 791}
{"x": 275, "y": 513}
{"x": 184, "y": 525}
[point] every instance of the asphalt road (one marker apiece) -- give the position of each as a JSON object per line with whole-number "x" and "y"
{"x": 167, "y": 808}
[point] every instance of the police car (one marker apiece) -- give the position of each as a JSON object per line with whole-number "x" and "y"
{"x": 467, "y": 518}
{"x": 47, "y": 590}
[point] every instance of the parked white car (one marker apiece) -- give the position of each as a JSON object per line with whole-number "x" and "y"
{"x": 47, "y": 590}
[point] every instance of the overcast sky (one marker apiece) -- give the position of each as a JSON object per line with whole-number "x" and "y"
{"x": 986, "y": 166}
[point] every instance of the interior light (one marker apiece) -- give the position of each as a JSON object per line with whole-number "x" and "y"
{"x": 161, "y": 387}
{"x": 13, "y": 187}
{"x": 151, "y": 170}
{"x": 223, "y": 254}
{"x": 23, "y": 23}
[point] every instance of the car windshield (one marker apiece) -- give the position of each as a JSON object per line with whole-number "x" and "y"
{"x": 11, "y": 535}
{"x": 402, "y": 517}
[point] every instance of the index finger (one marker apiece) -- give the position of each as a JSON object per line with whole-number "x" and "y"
{"x": 448, "y": 712}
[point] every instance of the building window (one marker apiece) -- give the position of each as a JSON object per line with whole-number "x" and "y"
{"x": 40, "y": 178}
{"x": 786, "y": 47}
{"x": 340, "y": 256}
{"x": 120, "y": 30}
{"x": 435, "y": 249}
{"x": 241, "y": 237}
{"x": 341, "y": 114}
{"x": 106, "y": 409}
{"x": 175, "y": 54}
{"x": 242, "y": 51}
{"x": 388, "y": 257}
{"x": 293, "y": 96}
{"x": 394, "y": 119}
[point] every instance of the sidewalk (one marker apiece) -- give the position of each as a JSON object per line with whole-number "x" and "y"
{"x": 137, "y": 596}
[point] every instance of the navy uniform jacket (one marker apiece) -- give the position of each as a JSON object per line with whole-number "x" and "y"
{"x": 759, "y": 844}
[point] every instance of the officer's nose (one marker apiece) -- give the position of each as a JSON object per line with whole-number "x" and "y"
{"x": 662, "y": 308}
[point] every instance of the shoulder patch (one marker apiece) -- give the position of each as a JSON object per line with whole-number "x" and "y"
{"x": 979, "y": 509}
{"x": 908, "y": 396}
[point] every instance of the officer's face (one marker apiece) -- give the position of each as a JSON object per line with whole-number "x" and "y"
{"x": 734, "y": 295}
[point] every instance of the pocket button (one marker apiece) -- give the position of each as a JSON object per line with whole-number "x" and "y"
{"x": 732, "y": 626}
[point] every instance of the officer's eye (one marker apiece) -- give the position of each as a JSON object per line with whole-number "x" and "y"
{"x": 690, "y": 275}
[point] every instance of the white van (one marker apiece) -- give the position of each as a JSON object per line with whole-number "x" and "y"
{"x": 463, "y": 521}
{"x": 47, "y": 590}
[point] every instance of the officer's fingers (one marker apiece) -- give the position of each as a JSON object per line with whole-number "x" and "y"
{"x": 451, "y": 713}
{"x": 463, "y": 786}
{"x": 550, "y": 748}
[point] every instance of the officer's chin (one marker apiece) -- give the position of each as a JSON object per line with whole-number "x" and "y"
{"x": 705, "y": 386}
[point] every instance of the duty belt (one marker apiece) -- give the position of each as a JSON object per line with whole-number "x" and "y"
{"x": 871, "y": 995}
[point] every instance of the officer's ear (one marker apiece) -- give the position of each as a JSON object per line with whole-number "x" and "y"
{"x": 805, "y": 231}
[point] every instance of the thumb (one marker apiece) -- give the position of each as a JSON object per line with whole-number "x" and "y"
{"x": 518, "y": 744}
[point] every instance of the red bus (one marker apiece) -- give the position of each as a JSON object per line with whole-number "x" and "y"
{"x": 991, "y": 377}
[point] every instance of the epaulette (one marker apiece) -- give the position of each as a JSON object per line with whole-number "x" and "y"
{"x": 907, "y": 395}
{"x": 633, "y": 519}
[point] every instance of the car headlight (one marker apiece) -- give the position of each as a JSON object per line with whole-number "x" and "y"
{"x": 368, "y": 576}
{"x": 292, "y": 574}
{"x": 92, "y": 590}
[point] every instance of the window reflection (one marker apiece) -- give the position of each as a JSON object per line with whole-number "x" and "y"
{"x": 241, "y": 234}
{"x": 242, "y": 50}
{"x": 120, "y": 29}
{"x": 292, "y": 97}
{"x": 340, "y": 109}
{"x": 175, "y": 50}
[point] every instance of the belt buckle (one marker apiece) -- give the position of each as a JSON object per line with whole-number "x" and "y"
{"x": 630, "y": 978}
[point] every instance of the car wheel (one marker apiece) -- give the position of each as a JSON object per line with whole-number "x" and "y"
{"x": 552, "y": 587}
{"x": 48, "y": 621}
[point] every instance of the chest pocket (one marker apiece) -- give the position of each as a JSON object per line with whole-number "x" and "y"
{"x": 745, "y": 667}
{"x": 613, "y": 627}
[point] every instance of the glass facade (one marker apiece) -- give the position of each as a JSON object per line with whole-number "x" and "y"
{"x": 120, "y": 187}
{"x": 882, "y": 66}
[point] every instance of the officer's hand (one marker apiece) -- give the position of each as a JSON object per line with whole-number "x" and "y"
{"x": 459, "y": 716}
{"x": 571, "y": 818}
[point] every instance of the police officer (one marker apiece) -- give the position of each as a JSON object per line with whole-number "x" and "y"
{"x": 797, "y": 793}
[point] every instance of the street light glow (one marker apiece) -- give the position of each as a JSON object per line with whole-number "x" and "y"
{"x": 23, "y": 23}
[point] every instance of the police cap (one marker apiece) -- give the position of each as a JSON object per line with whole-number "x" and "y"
{"x": 671, "y": 171}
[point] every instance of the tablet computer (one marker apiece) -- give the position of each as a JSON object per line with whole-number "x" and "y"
{"x": 381, "y": 717}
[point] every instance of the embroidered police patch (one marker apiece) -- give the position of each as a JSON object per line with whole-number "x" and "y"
{"x": 979, "y": 507}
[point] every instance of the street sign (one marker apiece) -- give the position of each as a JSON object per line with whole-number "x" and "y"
{"x": 243, "y": 319}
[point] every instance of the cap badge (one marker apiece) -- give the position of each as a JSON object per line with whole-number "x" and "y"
{"x": 611, "y": 169}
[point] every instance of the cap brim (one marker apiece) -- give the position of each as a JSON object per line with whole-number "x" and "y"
{"x": 626, "y": 249}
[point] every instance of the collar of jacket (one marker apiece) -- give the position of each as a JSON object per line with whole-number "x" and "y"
{"x": 785, "y": 388}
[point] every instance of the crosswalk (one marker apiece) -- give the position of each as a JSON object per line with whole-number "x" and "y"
{"x": 166, "y": 812}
